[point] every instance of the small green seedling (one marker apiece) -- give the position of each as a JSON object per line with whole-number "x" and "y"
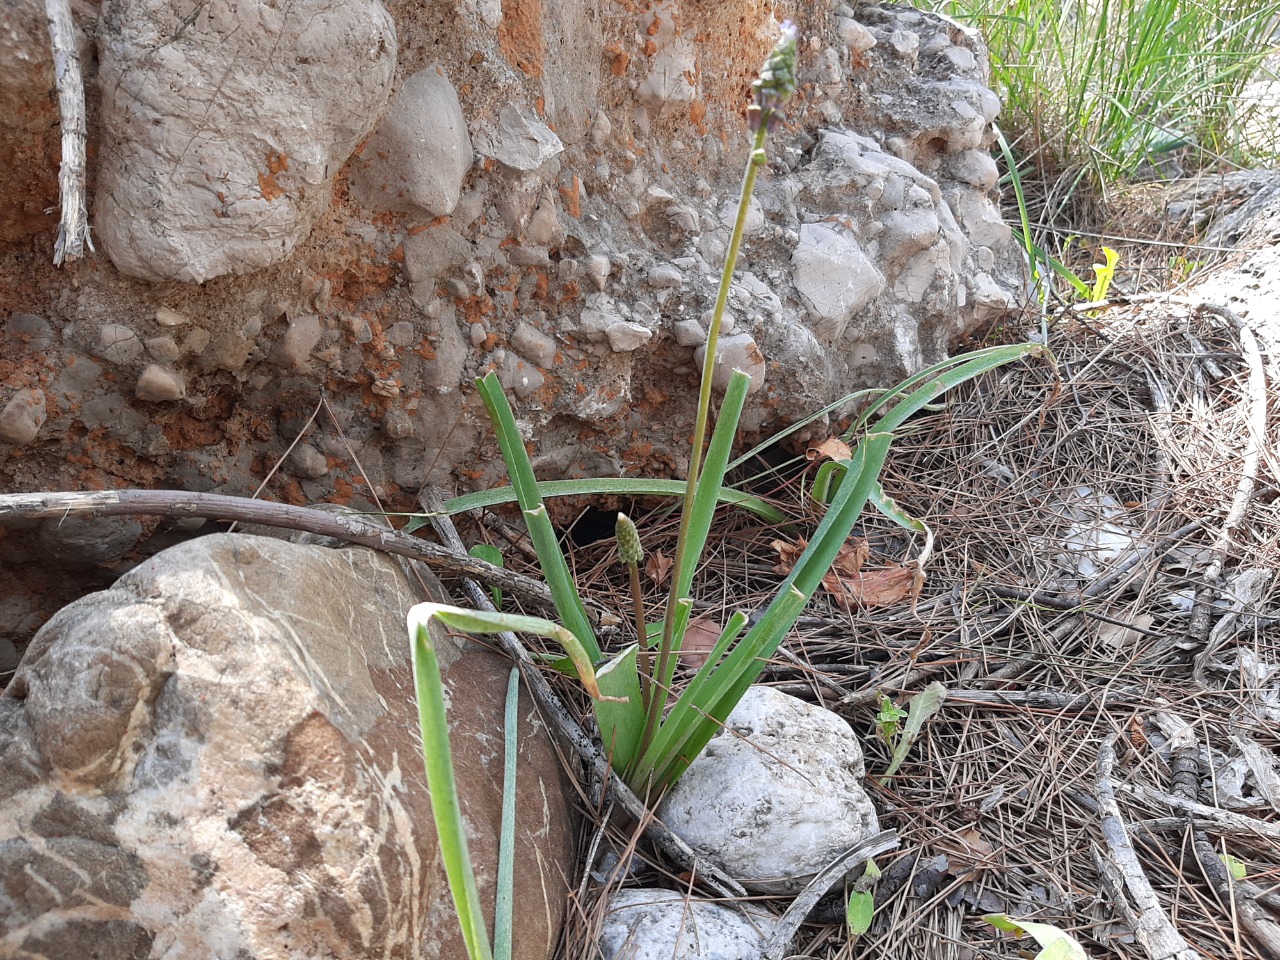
{"x": 919, "y": 709}
{"x": 888, "y": 719}
{"x": 1055, "y": 944}
{"x": 862, "y": 901}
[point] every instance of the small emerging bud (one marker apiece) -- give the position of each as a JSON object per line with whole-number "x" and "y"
{"x": 776, "y": 83}
{"x": 629, "y": 549}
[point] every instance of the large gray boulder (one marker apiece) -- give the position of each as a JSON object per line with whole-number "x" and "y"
{"x": 218, "y": 758}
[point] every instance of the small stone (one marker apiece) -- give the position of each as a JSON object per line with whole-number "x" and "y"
{"x": 569, "y": 269}
{"x": 534, "y": 344}
{"x": 544, "y": 222}
{"x": 525, "y": 256}
{"x": 626, "y": 336}
{"x": 163, "y": 349}
{"x": 520, "y": 376}
{"x": 737, "y": 352}
{"x": 229, "y": 352}
{"x": 518, "y": 142}
{"x": 23, "y": 416}
{"x": 655, "y": 924}
{"x": 36, "y": 332}
{"x": 82, "y": 542}
{"x": 402, "y": 334}
{"x": 477, "y": 334}
{"x": 727, "y": 321}
{"x": 601, "y": 128}
{"x": 118, "y": 344}
{"x": 597, "y": 268}
{"x": 834, "y": 278}
{"x": 160, "y": 385}
{"x": 294, "y": 348}
{"x": 306, "y": 461}
{"x": 397, "y": 424}
{"x": 386, "y": 388}
{"x": 420, "y": 154}
{"x": 665, "y": 276}
{"x": 776, "y": 795}
{"x": 855, "y": 36}
{"x": 168, "y": 317}
{"x": 689, "y": 333}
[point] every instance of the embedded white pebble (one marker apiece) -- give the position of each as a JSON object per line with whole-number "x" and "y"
{"x": 118, "y": 344}
{"x": 534, "y": 344}
{"x": 626, "y": 336}
{"x": 736, "y": 352}
{"x": 159, "y": 384}
{"x": 418, "y": 157}
{"x": 163, "y": 349}
{"x": 689, "y": 333}
{"x": 664, "y": 275}
{"x": 597, "y": 268}
{"x": 308, "y": 462}
{"x": 519, "y": 142}
{"x": 23, "y": 416}
{"x": 834, "y": 278}
{"x": 167, "y": 317}
{"x": 855, "y": 36}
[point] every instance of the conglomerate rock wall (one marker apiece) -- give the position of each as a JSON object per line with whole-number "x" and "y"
{"x": 375, "y": 202}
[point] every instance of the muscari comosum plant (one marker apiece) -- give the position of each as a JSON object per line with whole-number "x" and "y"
{"x": 650, "y": 745}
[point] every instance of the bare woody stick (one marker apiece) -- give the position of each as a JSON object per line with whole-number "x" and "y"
{"x": 73, "y": 226}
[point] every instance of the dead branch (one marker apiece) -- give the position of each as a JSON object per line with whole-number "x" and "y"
{"x": 1198, "y": 628}
{"x": 211, "y": 506}
{"x": 1152, "y": 928}
{"x": 73, "y": 226}
{"x": 1224, "y": 822}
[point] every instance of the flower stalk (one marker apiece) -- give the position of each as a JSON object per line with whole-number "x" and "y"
{"x": 771, "y": 90}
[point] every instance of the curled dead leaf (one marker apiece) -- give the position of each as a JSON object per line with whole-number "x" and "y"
{"x": 848, "y": 584}
{"x": 832, "y": 448}
{"x": 658, "y": 567}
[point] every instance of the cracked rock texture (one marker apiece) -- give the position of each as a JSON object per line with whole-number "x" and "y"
{"x": 218, "y": 758}
{"x": 382, "y": 201}
{"x": 776, "y": 796}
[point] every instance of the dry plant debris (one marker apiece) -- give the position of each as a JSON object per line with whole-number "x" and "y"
{"x": 1082, "y": 534}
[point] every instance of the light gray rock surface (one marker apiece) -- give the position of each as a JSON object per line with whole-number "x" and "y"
{"x": 416, "y": 160}
{"x": 218, "y": 758}
{"x": 223, "y": 126}
{"x": 777, "y": 796}
{"x": 656, "y": 924}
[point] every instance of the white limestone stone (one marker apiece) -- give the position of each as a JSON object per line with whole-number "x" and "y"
{"x": 776, "y": 797}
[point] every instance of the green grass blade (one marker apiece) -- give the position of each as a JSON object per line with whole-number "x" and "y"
{"x": 484, "y": 621}
{"x": 713, "y": 468}
{"x": 937, "y": 380}
{"x": 605, "y": 487}
{"x": 691, "y": 724}
{"x": 504, "y": 907}
{"x": 550, "y": 558}
{"x": 621, "y": 718}
{"x": 445, "y": 808}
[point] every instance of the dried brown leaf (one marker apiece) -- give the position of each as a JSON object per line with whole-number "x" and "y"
{"x": 832, "y": 448}
{"x": 700, "y": 638}
{"x": 657, "y": 567}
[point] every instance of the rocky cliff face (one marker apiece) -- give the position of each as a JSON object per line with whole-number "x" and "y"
{"x": 378, "y": 201}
